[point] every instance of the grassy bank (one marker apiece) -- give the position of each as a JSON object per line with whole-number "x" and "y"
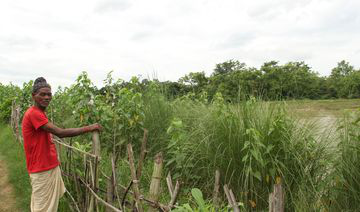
{"x": 13, "y": 155}
{"x": 320, "y": 108}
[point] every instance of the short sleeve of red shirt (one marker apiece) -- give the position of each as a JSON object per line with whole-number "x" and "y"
{"x": 37, "y": 118}
{"x": 40, "y": 151}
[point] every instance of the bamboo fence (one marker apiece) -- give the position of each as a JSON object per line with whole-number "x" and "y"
{"x": 86, "y": 193}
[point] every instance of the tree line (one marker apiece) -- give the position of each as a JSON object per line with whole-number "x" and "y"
{"x": 272, "y": 81}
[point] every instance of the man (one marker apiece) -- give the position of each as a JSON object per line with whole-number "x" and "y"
{"x": 41, "y": 156}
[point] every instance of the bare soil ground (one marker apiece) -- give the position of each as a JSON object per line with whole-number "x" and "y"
{"x": 7, "y": 198}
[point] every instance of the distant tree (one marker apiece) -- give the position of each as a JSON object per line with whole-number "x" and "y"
{"x": 232, "y": 79}
{"x": 228, "y": 67}
{"x": 195, "y": 81}
{"x": 342, "y": 81}
{"x": 293, "y": 80}
{"x": 342, "y": 69}
{"x": 272, "y": 80}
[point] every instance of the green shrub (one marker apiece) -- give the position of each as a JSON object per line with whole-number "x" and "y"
{"x": 254, "y": 144}
{"x": 345, "y": 188}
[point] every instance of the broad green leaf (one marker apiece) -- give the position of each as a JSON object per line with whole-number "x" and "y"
{"x": 198, "y": 196}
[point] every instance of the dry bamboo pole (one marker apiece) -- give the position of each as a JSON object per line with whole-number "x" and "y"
{"x": 115, "y": 190}
{"x": 74, "y": 148}
{"x": 96, "y": 180}
{"x": 155, "y": 179}
{"x": 169, "y": 184}
{"x": 142, "y": 154}
{"x": 157, "y": 205}
{"x": 231, "y": 199}
{"x": 73, "y": 200}
{"x": 17, "y": 120}
{"x": 216, "y": 189}
{"x": 92, "y": 182}
{"x": 99, "y": 199}
{"x": 134, "y": 179}
{"x": 96, "y": 152}
{"x": 127, "y": 190}
{"x": 96, "y": 143}
{"x": 110, "y": 192}
{"x": 12, "y": 115}
{"x": 174, "y": 195}
{"x": 276, "y": 199}
{"x": 77, "y": 188}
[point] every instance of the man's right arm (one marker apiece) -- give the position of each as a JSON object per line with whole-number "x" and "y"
{"x": 69, "y": 132}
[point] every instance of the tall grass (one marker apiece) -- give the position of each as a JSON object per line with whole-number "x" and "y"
{"x": 345, "y": 192}
{"x": 254, "y": 144}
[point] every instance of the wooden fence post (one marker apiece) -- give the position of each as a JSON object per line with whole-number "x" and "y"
{"x": 155, "y": 179}
{"x": 276, "y": 199}
{"x": 17, "y": 120}
{"x": 216, "y": 189}
{"x": 12, "y": 115}
{"x": 134, "y": 179}
{"x": 231, "y": 198}
{"x": 95, "y": 173}
{"x": 142, "y": 154}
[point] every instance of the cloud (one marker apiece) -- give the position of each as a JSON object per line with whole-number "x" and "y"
{"x": 112, "y": 6}
{"x": 140, "y": 36}
{"x": 236, "y": 40}
{"x": 18, "y": 42}
{"x": 269, "y": 10}
{"x": 170, "y": 37}
{"x": 151, "y": 21}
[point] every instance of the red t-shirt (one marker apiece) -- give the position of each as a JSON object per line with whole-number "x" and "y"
{"x": 40, "y": 151}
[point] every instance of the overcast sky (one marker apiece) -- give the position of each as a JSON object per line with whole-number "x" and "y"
{"x": 167, "y": 39}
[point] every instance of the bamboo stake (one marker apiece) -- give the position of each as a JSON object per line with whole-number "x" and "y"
{"x": 17, "y": 119}
{"x": 174, "y": 196}
{"x": 115, "y": 190}
{"x": 231, "y": 199}
{"x": 169, "y": 184}
{"x": 12, "y": 115}
{"x": 111, "y": 185}
{"x": 155, "y": 179}
{"x": 96, "y": 179}
{"x": 152, "y": 203}
{"x": 109, "y": 192}
{"x": 216, "y": 189}
{"x": 276, "y": 199}
{"x": 73, "y": 200}
{"x": 96, "y": 143}
{"x": 134, "y": 179}
{"x": 77, "y": 188}
{"x": 92, "y": 182}
{"x": 142, "y": 154}
{"x": 101, "y": 200}
{"x": 127, "y": 190}
{"x": 96, "y": 151}
{"x": 235, "y": 204}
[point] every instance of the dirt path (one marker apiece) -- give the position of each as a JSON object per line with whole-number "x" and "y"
{"x": 7, "y": 198}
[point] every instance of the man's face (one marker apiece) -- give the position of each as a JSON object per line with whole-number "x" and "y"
{"x": 42, "y": 97}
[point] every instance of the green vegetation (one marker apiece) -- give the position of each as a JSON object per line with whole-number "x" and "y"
{"x": 203, "y": 124}
{"x": 272, "y": 81}
{"x": 346, "y": 183}
{"x": 13, "y": 154}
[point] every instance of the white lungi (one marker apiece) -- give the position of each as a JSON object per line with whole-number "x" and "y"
{"x": 47, "y": 188}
